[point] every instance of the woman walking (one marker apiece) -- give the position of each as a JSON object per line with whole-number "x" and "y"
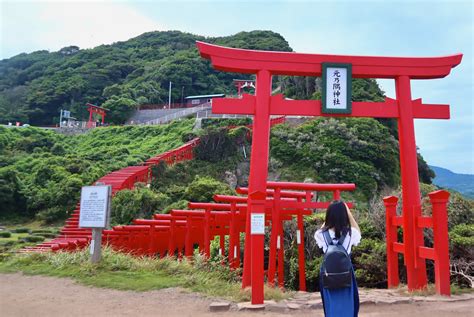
{"x": 337, "y": 280}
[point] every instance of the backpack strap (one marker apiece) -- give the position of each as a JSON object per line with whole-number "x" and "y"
{"x": 327, "y": 238}
{"x": 341, "y": 239}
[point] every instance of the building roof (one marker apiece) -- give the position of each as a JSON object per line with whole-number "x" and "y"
{"x": 205, "y": 96}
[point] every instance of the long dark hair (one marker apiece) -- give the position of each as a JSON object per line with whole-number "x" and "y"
{"x": 336, "y": 217}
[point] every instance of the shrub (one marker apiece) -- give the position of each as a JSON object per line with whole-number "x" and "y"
{"x": 44, "y": 234}
{"x": 41, "y": 231}
{"x": 21, "y": 230}
{"x": 52, "y": 214}
{"x": 33, "y": 239}
{"x": 370, "y": 263}
{"x": 202, "y": 189}
{"x": 5, "y": 234}
{"x": 137, "y": 203}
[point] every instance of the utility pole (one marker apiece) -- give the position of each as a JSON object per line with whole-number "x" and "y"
{"x": 169, "y": 96}
{"x": 60, "y": 117}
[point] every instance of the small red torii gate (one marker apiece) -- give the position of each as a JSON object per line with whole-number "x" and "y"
{"x": 265, "y": 64}
{"x": 94, "y": 109}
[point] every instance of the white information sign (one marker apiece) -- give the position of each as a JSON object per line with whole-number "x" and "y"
{"x": 337, "y": 86}
{"x": 94, "y": 207}
{"x": 257, "y": 223}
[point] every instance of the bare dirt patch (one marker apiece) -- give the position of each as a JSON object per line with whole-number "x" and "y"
{"x": 22, "y": 295}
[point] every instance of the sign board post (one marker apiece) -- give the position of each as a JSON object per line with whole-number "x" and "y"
{"x": 95, "y": 214}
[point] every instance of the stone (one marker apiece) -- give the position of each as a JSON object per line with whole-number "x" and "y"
{"x": 250, "y": 307}
{"x": 277, "y": 307}
{"x": 367, "y": 301}
{"x": 293, "y": 306}
{"x": 219, "y": 306}
{"x": 315, "y": 304}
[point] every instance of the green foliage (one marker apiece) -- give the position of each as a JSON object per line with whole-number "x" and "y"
{"x": 21, "y": 230}
{"x": 33, "y": 238}
{"x": 120, "y": 109}
{"x": 224, "y": 122}
{"x": 463, "y": 236}
{"x": 44, "y": 174}
{"x": 425, "y": 173}
{"x": 33, "y": 87}
{"x": 370, "y": 263}
{"x": 5, "y": 234}
{"x": 202, "y": 189}
{"x": 361, "y": 151}
{"x": 139, "y": 202}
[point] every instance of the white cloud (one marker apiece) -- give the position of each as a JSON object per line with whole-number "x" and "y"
{"x": 53, "y": 25}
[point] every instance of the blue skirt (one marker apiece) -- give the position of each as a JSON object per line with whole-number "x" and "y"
{"x": 342, "y": 302}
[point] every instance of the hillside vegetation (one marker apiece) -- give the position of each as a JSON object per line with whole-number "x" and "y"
{"x": 33, "y": 87}
{"x": 42, "y": 172}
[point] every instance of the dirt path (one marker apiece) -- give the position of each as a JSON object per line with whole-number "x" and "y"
{"x": 47, "y": 296}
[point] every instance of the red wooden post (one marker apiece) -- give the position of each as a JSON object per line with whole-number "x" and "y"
{"x": 412, "y": 235}
{"x": 281, "y": 255}
{"x": 233, "y": 237}
{"x": 222, "y": 244}
{"x": 152, "y": 243}
{"x": 439, "y": 200}
{"x": 390, "y": 203}
{"x": 188, "y": 247}
{"x": 274, "y": 234}
{"x": 207, "y": 238}
{"x": 258, "y": 177}
{"x": 301, "y": 257}
{"x": 89, "y": 123}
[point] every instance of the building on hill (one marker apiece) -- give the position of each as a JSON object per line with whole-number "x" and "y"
{"x": 193, "y": 101}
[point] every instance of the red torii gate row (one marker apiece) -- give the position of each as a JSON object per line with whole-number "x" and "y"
{"x": 279, "y": 208}
{"x": 266, "y": 64}
{"x": 181, "y": 230}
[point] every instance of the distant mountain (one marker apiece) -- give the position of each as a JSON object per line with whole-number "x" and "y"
{"x": 463, "y": 183}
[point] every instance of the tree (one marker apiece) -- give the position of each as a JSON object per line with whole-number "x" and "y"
{"x": 119, "y": 109}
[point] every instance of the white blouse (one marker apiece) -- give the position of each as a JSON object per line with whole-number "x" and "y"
{"x": 349, "y": 241}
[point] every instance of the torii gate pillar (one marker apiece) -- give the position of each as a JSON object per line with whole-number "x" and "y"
{"x": 258, "y": 185}
{"x": 416, "y": 270}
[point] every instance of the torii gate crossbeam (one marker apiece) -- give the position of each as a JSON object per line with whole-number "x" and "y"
{"x": 265, "y": 64}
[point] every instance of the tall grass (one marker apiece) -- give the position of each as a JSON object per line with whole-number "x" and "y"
{"x": 123, "y": 271}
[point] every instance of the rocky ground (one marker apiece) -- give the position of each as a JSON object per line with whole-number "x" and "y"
{"x": 22, "y": 295}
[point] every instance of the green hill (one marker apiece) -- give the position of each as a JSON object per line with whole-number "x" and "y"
{"x": 33, "y": 87}
{"x": 42, "y": 172}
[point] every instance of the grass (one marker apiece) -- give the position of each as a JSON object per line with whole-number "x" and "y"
{"x": 430, "y": 290}
{"x": 125, "y": 272}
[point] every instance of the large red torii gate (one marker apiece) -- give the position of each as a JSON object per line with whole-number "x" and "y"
{"x": 265, "y": 64}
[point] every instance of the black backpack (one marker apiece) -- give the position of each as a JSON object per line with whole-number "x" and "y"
{"x": 337, "y": 266}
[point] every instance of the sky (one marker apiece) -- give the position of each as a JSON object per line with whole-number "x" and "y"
{"x": 377, "y": 28}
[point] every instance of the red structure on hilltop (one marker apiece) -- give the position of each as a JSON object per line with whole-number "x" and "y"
{"x": 266, "y": 64}
{"x": 94, "y": 109}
